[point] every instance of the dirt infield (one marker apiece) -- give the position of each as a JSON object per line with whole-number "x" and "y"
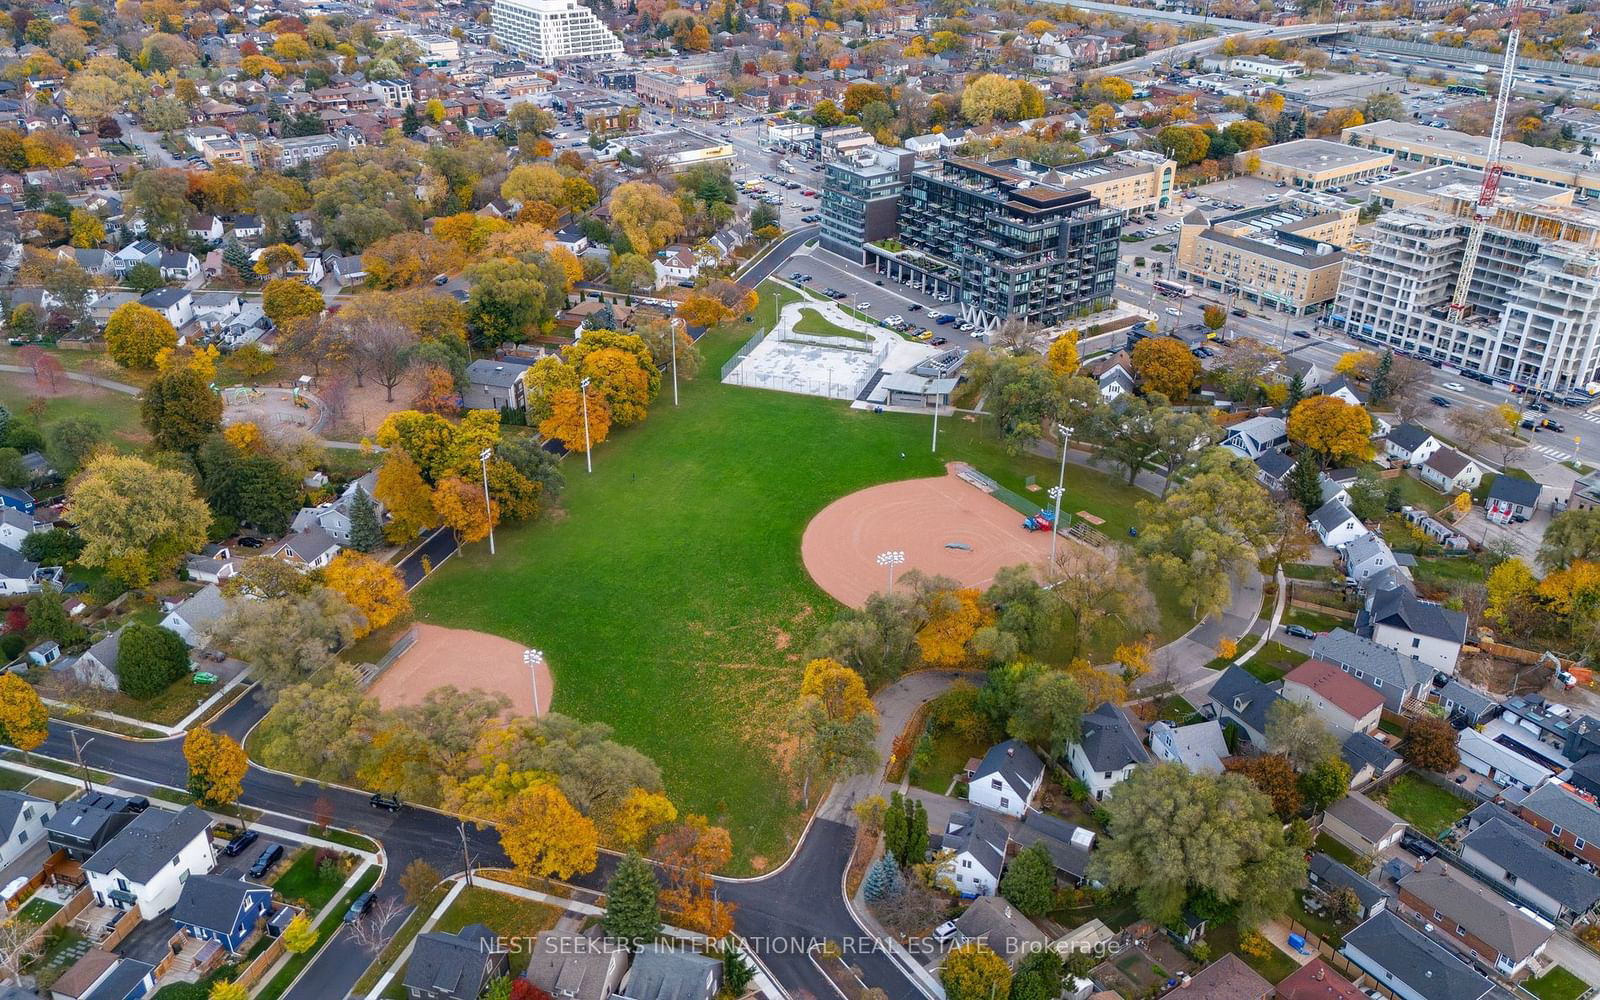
{"x": 919, "y": 517}
{"x": 450, "y": 656}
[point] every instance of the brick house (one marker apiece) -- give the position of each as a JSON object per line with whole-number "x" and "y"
{"x": 1564, "y": 817}
{"x": 1474, "y": 919}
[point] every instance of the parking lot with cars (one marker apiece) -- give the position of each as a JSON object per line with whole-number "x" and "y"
{"x": 882, "y": 298}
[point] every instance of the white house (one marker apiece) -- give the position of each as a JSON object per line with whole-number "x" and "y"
{"x": 179, "y": 265}
{"x": 176, "y": 304}
{"x": 1335, "y": 525}
{"x": 1199, "y": 747}
{"x": 334, "y": 518}
{"x": 1412, "y": 627}
{"x": 146, "y": 864}
{"x": 22, "y": 819}
{"x": 1411, "y": 444}
{"x": 1451, "y": 472}
{"x": 98, "y": 664}
{"x": 674, "y": 264}
{"x": 1250, "y": 438}
{"x": 193, "y": 619}
{"x": 15, "y": 527}
{"x": 205, "y": 228}
{"x": 1007, "y": 779}
{"x": 977, "y": 843}
{"x": 1107, "y": 750}
{"x": 1344, "y": 703}
{"x": 1343, "y": 389}
{"x": 17, "y": 575}
{"x": 1365, "y": 556}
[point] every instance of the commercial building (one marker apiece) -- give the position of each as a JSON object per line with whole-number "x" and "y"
{"x": 1283, "y": 257}
{"x": 1318, "y": 164}
{"x": 861, "y": 199}
{"x": 1415, "y": 143}
{"x": 679, "y": 149}
{"x": 551, "y": 31}
{"x": 1133, "y": 181}
{"x": 1533, "y": 314}
{"x": 666, "y": 90}
{"x": 438, "y": 50}
{"x": 1005, "y": 240}
{"x": 1422, "y": 187}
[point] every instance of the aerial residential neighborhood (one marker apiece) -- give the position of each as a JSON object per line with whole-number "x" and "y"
{"x": 576, "y": 500}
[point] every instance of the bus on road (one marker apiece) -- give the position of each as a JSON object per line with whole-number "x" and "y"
{"x": 1179, "y": 288}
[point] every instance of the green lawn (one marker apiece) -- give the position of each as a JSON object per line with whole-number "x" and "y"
{"x": 1443, "y": 570}
{"x": 1417, "y": 493}
{"x": 1306, "y": 571}
{"x": 117, "y": 412}
{"x": 671, "y": 601}
{"x": 1557, "y": 984}
{"x": 812, "y": 321}
{"x": 301, "y": 882}
{"x": 1275, "y": 968}
{"x": 948, "y": 756}
{"x": 1176, "y": 710}
{"x": 1272, "y": 661}
{"x": 508, "y": 916}
{"x": 1337, "y": 851}
{"x": 1315, "y": 621}
{"x": 37, "y": 911}
{"x": 1425, "y": 806}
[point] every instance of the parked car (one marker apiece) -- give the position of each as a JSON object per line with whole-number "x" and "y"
{"x": 942, "y": 320}
{"x": 1299, "y": 632}
{"x": 237, "y": 845}
{"x": 360, "y": 906}
{"x": 1552, "y": 425}
{"x": 1529, "y": 425}
{"x": 939, "y": 341}
{"x": 250, "y": 542}
{"x": 269, "y": 857}
{"x": 382, "y": 801}
{"x": 1241, "y": 312}
{"x": 945, "y": 931}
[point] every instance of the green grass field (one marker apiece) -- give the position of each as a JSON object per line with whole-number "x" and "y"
{"x": 1427, "y": 807}
{"x": 813, "y": 322}
{"x": 302, "y": 882}
{"x": 1557, "y": 984}
{"x": 117, "y": 412}
{"x": 948, "y": 755}
{"x": 670, "y": 599}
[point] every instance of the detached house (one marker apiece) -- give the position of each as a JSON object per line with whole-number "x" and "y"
{"x": 1362, "y": 825}
{"x": 1331, "y": 876}
{"x": 22, "y": 822}
{"x": 569, "y": 966}
{"x": 1256, "y": 436}
{"x": 1509, "y": 853}
{"x": 977, "y": 843}
{"x": 454, "y": 966}
{"x": 1398, "y": 678}
{"x": 1411, "y": 444}
{"x": 996, "y": 923}
{"x": 1565, "y": 818}
{"x": 1451, "y": 472}
{"x": 1200, "y": 747}
{"x": 660, "y": 972}
{"x": 146, "y": 864}
{"x": 310, "y": 548}
{"x": 1236, "y": 695}
{"x": 1335, "y": 525}
{"x": 1408, "y": 964}
{"x": 1007, "y": 779}
{"x": 1366, "y": 556}
{"x": 1107, "y": 750}
{"x": 192, "y": 619}
{"x": 222, "y": 909}
{"x": 1412, "y": 627}
{"x": 1341, "y": 701}
{"x": 1511, "y": 499}
{"x": 1473, "y": 919}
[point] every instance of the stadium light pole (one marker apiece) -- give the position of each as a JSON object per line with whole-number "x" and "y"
{"x": 673, "y": 335}
{"x": 588, "y": 449}
{"x": 488, "y": 510}
{"x": 891, "y": 560}
{"x": 1059, "y": 490}
{"x": 936, "y": 423}
{"x": 534, "y": 657}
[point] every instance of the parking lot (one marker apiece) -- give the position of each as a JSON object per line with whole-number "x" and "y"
{"x": 877, "y": 297}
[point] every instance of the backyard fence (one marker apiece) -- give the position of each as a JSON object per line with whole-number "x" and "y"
{"x": 1323, "y": 609}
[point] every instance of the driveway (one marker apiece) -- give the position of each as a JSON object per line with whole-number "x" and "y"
{"x": 1575, "y": 956}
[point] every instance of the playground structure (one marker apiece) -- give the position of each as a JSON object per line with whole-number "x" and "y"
{"x": 1042, "y": 521}
{"x": 270, "y": 408}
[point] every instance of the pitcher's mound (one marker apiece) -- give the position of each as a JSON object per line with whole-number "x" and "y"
{"x": 452, "y": 657}
{"x": 945, "y": 527}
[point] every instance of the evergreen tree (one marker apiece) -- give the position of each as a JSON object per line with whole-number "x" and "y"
{"x": 237, "y": 257}
{"x": 1305, "y": 482}
{"x": 916, "y": 832}
{"x": 633, "y": 914}
{"x": 366, "y": 533}
{"x": 894, "y": 827}
{"x": 1029, "y": 882}
{"x": 883, "y": 880}
{"x": 1380, "y": 378}
{"x": 1297, "y": 392}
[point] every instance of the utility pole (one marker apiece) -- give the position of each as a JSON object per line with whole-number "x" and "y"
{"x": 77, "y": 753}
{"x": 466, "y": 859}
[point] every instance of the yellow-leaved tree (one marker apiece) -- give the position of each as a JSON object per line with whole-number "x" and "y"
{"x": 954, "y": 617}
{"x": 217, "y": 766}
{"x": 544, "y": 835}
{"x": 461, "y": 507}
{"x": 299, "y": 937}
{"x": 24, "y": 720}
{"x": 135, "y": 334}
{"x": 641, "y": 814}
{"x": 840, "y": 690}
{"x": 1336, "y": 431}
{"x": 372, "y": 587}
{"x": 1164, "y": 365}
{"x": 1062, "y": 358}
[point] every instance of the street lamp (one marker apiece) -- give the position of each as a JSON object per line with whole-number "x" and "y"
{"x": 1058, "y": 491}
{"x": 533, "y": 658}
{"x": 588, "y": 449}
{"x": 891, "y": 560}
{"x": 935, "y": 423}
{"x": 488, "y": 511}
{"x": 673, "y": 334}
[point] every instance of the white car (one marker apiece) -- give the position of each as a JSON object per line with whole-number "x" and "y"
{"x": 1455, "y": 387}
{"x": 1174, "y": 312}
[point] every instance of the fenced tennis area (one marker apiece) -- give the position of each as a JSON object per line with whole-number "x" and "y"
{"x": 814, "y": 350}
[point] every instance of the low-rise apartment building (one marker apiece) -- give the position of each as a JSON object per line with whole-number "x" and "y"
{"x": 1317, "y": 164}
{"x": 1288, "y": 258}
{"x": 1414, "y": 143}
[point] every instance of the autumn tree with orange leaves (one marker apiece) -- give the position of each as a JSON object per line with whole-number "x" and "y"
{"x": 690, "y": 853}
{"x": 954, "y": 617}
{"x": 460, "y": 505}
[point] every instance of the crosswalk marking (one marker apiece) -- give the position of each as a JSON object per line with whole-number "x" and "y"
{"x": 1563, "y": 456}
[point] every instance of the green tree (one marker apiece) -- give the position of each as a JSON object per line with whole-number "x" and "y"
{"x": 1038, "y": 976}
{"x": 510, "y": 299}
{"x": 180, "y": 410}
{"x": 136, "y": 519}
{"x": 883, "y": 880}
{"x": 1212, "y": 525}
{"x": 1573, "y": 535}
{"x": 1325, "y": 783}
{"x": 1049, "y": 711}
{"x": 895, "y": 826}
{"x": 1030, "y": 881}
{"x": 1305, "y": 482}
{"x": 144, "y": 278}
{"x": 366, "y": 534}
{"x": 70, "y": 441}
{"x": 1175, "y": 836}
{"x": 149, "y": 659}
{"x": 1295, "y": 730}
{"x": 12, "y": 471}
{"x": 633, "y": 911}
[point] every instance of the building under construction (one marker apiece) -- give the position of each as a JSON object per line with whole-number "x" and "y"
{"x": 1532, "y": 315}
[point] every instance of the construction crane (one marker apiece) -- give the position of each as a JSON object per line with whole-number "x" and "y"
{"x": 1484, "y": 210}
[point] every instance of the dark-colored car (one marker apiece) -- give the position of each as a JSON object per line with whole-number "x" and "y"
{"x": 942, "y": 320}
{"x": 359, "y": 907}
{"x": 1299, "y": 631}
{"x": 269, "y": 857}
{"x": 1529, "y": 425}
{"x": 1303, "y": 334}
{"x": 1439, "y": 401}
{"x": 1241, "y": 312}
{"x": 382, "y": 801}
{"x": 939, "y": 341}
{"x": 250, "y": 542}
{"x": 1552, "y": 425}
{"x": 1539, "y": 407}
{"x": 237, "y": 845}
{"x": 913, "y": 307}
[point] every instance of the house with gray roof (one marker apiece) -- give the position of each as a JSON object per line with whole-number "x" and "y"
{"x": 1239, "y": 696}
{"x": 1256, "y": 436}
{"x": 223, "y": 909}
{"x": 83, "y": 825}
{"x": 663, "y": 973}
{"x": 1411, "y": 444}
{"x": 146, "y": 864}
{"x": 1563, "y": 815}
{"x": 1398, "y": 678}
{"x": 1511, "y": 499}
{"x": 1365, "y": 556}
{"x": 496, "y": 383}
{"x": 1007, "y": 778}
{"x": 1509, "y": 853}
{"x": 22, "y": 823}
{"x": 1342, "y": 388}
{"x": 1369, "y": 759}
{"x": 977, "y": 843}
{"x": 1451, "y": 472}
{"x": 1466, "y": 705}
{"x": 1107, "y": 750}
{"x": 1069, "y": 845}
{"x": 1408, "y": 964}
{"x": 1422, "y": 630}
{"x": 1362, "y": 825}
{"x": 571, "y": 966}
{"x": 454, "y": 966}
{"x": 1473, "y": 919}
{"x": 17, "y": 574}
{"x": 1330, "y": 876}
{"x": 310, "y": 548}
{"x": 996, "y": 923}
{"x": 1273, "y": 468}
{"x": 1584, "y": 775}
{"x": 193, "y": 619}
{"x": 1200, "y": 747}
{"x": 96, "y": 665}
{"x": 1335, "y": 525}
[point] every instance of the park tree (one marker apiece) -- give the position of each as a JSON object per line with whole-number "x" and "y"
{"x": 545, "y": 836}
{"x": 973, "y": 971}
{"x": 597, "y": 774}
{"x": 1030, "y": 881}
{"x": 321, "y": 729}
{"x": 135, "y": 333}
{"x": 633, "y": 907}
{"x": 1179, "y": 437}
{"x": 1296, "y": 731}
{"x": 879, "y": 640}
{"x": 620, "y": 366}
{"x": 24, "y": 720}
{"x": 1128, "y": 434}
{"x": 366, "y": 532}
{"x": 441, "y": 448}
{"x": 461, "y": 507}
{"x": 1214, "y": 524}
{"x": 1275, "y": 777}
{"x": 372, "y": 587}
{"x": 180, "y": 411}
{"x": 1430, "y": 743}
{"x": 217, "y": 766}
{"x": 1325, "y": 783}
{"x": 689, "y": 854}
{"x": 717, "y": 303}
{"x": 1335, "y": 431}
{"x": 136, "y": 519}
{"x": 149, "y": 659}
{"x": 641, "y": 814}
{"x": 1164, "y": 365}
{"x": 252, "y": 488}
{"x": 834, "y": 722}
{"x": 646, "y": 215}
{"x": 1049, "y": 709}
{"x": 287, "y": 639}
{"x": 287, "y": 302}
{"x": 405, "y": 495}
{"x": 1062, "y": 357}
{"x": 1176, "y": 835}
{"x": 578, "y": 421}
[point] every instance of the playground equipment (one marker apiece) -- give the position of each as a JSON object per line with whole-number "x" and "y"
{"x": 1042, "y": 521}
